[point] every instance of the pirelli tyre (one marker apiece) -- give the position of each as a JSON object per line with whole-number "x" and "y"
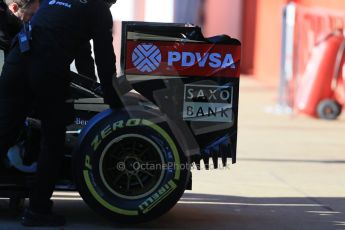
{"x": 129, "y": 169}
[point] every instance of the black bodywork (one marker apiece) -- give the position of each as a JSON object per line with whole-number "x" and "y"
{"x": 200, "y": 140}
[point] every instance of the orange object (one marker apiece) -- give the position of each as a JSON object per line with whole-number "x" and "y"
{"x": 322, "y": 79}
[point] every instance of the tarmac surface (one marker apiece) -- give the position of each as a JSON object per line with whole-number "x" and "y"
{"x": 290, "y": 175}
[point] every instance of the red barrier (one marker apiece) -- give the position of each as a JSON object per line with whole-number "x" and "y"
{"x": 321, "y": 76}
{"x": 318, "y": 62}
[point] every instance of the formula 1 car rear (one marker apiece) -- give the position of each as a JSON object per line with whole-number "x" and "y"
{"x": 180, "y": 92}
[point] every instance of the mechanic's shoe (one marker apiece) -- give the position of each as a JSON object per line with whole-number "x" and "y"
{"x": 31, "y": 219}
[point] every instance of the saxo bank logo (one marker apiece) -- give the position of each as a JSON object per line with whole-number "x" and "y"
{"x": 146, "y": 57}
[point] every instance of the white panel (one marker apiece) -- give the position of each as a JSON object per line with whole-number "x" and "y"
{"x": 187, "y": 11}
{"x": 123, "y": 10}
{"x": 159, "y": 10}
{"x": 1, "y": 60}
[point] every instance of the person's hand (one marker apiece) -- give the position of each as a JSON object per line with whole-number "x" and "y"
{"x": 98, "y": 90}
{"x": 122, "y": 85}
{"x": 112, "y": 98}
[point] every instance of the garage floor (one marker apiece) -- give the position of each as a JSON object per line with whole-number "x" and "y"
{"x": 290, "y": 175}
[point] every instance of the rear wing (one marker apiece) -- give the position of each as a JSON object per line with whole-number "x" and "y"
{"x": 192, "y": 79}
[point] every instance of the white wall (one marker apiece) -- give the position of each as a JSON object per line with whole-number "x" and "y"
{"x": 123, "y": 10}
{"x": 159, "y": 10}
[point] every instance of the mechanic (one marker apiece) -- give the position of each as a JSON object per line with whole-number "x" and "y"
{"x": 39, "y": 71}
{"x": 12, "y": 15}
{"x": 17, "y": 12}
{"x": 14, "y": 12}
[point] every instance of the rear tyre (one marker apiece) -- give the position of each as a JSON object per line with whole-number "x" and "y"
{"x": 129, "y": 169}
{"x": 328, "y": 109}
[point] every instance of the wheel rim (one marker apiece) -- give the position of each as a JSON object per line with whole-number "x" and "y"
{"x": 329, "y": 111}
{"x": 131, "y": 166}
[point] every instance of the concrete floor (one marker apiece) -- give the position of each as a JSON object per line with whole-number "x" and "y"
{"x": 290, "y": 175}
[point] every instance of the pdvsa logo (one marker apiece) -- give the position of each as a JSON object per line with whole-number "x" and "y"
{"x": 146, "y": 57}
{"x": 60, "y": 3}
{"x": 165, "y": 58}
{"x": 202, "y": 60}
